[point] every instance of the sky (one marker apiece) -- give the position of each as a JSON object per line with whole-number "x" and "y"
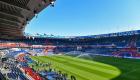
{"x": 87, "y": 17}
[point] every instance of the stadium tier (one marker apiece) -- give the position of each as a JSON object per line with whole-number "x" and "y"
{"x": 122, "y": 44}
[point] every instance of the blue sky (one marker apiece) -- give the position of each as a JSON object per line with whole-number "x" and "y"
{"x": 87, "y": 17}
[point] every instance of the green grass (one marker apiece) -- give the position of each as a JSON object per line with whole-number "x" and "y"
{"x": 130, "y": 68}
{"x": 82, "y": 69}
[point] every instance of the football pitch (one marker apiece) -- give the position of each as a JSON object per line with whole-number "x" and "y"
{"x": 97, "y": 68}
{"x": 82, "y": 69}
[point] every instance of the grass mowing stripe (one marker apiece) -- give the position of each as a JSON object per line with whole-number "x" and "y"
{"x": 64, "y": 69}
{"x": 93, "y": 69}
{"x": 71, "y": 69}
{"x": 71, "y": 59}
{"x": 125, "y": 65}
{"x": 60, "y": 68}
{"x": 83, "y": 73}
{"x": 78, "y": 69}
{"x": 116, "y": 60}
{"x": 88, "y": 62}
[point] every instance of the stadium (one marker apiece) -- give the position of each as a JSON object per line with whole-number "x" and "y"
{"x": 24, "y": 56}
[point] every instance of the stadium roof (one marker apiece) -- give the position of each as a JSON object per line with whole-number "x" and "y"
{"x": 126, "y": 33}
{"x": 15, "y": 14}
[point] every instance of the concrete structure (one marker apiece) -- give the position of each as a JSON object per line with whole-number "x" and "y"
{"x": 15, "y": 14}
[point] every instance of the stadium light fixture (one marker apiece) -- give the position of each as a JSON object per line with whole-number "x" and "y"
{"x": 35, "y": 13}
{"x": 52, "y": 3}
